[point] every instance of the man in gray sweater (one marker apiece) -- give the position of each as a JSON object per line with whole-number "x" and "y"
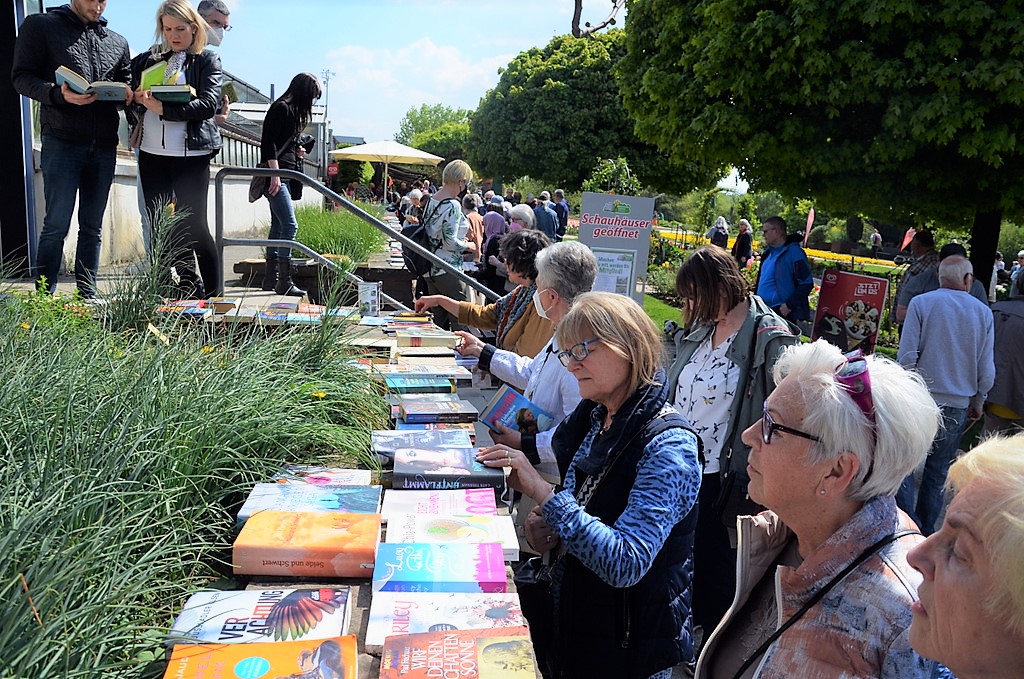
{"x": 948, "y": 338}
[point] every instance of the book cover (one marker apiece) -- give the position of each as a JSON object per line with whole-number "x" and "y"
{"x": 315, "y": 309}
{"x": 335, "y": 658}
{"x": 460, "y": 376}
{"x": 403, "y": 567}
{"x": 154, "y": 75}
{"x": 270, "y": 318}
{"x": 283, "y": 306}
{"x": 467, "y": 427}
{"x": 318, "y": 475}
{"x": 443, "y": 469}
{"x": 455, "y": 530}
{"x": 460, "y": 502}
{"x": 515, "y": 411}
{"x": 425, "y": 356}
{"x": 174, "y": 94}
{"x": 318, "y": 544}
{"x": 228, "y": 90}
{"x": 189, "y": 312}
{"x": 222, "y": 305}
{"x": 104, "y": 90}
{"x": 501, "y": 653}
{"x": 425, "y": 337}
{"x": 439, "y": 411}
{"x": 263, "y": 615}
{"x": 339, "y": 314}
{"x": 387, "y": 441}
{"x": 401, "y": 384}
{"x": 298, "y": 318}
{"x": 242, "y": 315}
{"x": 396, "y": 613}
{"x": 305, "y": 497}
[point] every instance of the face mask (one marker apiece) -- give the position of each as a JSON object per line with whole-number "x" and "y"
{"x": 538, "y": 305}
{"x": 214, "y": 36}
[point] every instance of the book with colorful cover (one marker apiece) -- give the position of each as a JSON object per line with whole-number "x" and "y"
{"x": 401, "y": 384}
{"x": 299, "y": 318}
{"x": 460, "y": 377}
{"x": 317, "y": 544}
{"x": 271, "y": 318}
{"x": 460, "y": 502}
{"x": 396, "y": 400}
{"x": 222, "y": 305}
{"x": 440, "y": 411}
{"x": 405, "y": 567}
{"x": 104, "y": 90}
{"x": 319, "y": 475}
{"x": 339, "y": 314}
{"x": 425, "y": 337}
{"x": 263, "y": 615}
{"x": 185, "y": 308}
{"x": 496, "y": 653}
{"x": 468, "y": 427}
{"x": 387, "y": 441}
{"x": 154, "y": 75}
{"x": 443, "y": 469}
{"x": 305, "y": 497}
{"x": 515, "y": 411}
{"x": 396, "y": 613}
{"x": 336, "y": 658}
{"x": 283, "y": 306}
{"x": 455, "y": 530}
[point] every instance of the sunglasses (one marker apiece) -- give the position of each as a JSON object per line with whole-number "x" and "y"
{"x": 770, "y": 426}
{"x": 853, "y": 375}
{"x": 577, "y": 351}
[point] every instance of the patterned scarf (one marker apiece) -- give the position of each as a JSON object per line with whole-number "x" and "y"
{"x": 175, "y": 63}
{"x": 510, "y": 309}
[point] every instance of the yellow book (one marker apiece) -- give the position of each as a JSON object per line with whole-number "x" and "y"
{"x": 154, "y": 75}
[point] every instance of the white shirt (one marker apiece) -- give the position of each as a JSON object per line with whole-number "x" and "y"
{"x": 704, "y": 394}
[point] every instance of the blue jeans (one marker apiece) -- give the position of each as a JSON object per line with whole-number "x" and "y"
{"x": 931, "y": 496}
{"x": 71, "y": 169}
{"x": 282, "y": 220}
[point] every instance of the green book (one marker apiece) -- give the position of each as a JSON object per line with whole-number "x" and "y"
{"x": 154, "y": 75}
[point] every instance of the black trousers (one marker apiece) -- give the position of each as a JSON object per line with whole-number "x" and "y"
{"x": 187, "y": 180}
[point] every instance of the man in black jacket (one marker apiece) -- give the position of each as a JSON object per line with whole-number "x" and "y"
{"x": 79, "y": 133}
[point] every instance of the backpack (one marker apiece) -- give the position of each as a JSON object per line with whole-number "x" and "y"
{"x": 415, "y": 263}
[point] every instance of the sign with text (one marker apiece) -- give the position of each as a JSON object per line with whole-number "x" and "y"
{"x": 850, "y": 310}
{"x": 617, "y": 229}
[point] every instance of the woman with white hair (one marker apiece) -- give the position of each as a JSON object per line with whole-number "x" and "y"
{"x": 823, "y": 584}
{"x": 522, "y": 214}
{"x": 970, "y": 615}
{"x": 743, "y": 247}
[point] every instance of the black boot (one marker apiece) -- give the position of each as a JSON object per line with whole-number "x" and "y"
{"x": 270, "y": 274}
{"x": 284, "y": 279}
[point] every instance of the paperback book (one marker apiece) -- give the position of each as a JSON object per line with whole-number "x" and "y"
{"x": 387, "y": 441}
{"x": 443, "y": 469}
{"x": 460, "y": 377}
{"x": 396, "y": 400}
{"x": 104, "y": 90}
{"x": 498, "y": 653}
{"x": 222, "y": 305}
{"x": 467, "y": 427}
{"x": 455, "y": 530}
{"x": 425, "y": 337}
{"x": 514, "y": 411}
{"x": 441, "y": 411}
{"x": 317, "y": 544}
{"x": 240, "y": 315}
{"x": 404, "y": 567}
{"x": 305, "y": 497}
{"x": 461, "y": 502}
{"x": 396, "y": 613}
{"x": 400, "y": 384}
{"x": 261, "y": 615}
{"x": 336, "y": 658}
{"x": 319, "y": 475}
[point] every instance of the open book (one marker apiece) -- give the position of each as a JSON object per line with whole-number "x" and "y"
{"x": 103, "y": 89}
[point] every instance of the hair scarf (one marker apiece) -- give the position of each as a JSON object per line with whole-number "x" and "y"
{"x": 494, "y": 227}
{"x": 510, "y": 309}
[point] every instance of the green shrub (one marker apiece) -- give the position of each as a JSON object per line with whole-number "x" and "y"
{"x": 339, "y": 232}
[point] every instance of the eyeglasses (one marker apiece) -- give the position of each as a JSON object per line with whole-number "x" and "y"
{"x": 217, "y": 23}
{"x": 577, "y": 351}
{"x": 852, "y": 374}
{"x": 770, "y": 426}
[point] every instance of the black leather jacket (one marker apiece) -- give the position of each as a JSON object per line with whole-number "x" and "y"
{"x": 202, "y": 72}
{"x": 60, "y": 38}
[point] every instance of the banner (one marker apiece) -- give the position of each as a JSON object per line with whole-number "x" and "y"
{"x": 850, "y": 310}
{"x": 617, "y": 229}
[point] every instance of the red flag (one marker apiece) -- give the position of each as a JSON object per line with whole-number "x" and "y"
{"x": 810, "y": 223}
{"x": 909, "y": 236}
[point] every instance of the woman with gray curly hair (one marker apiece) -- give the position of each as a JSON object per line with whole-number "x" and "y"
{"x": 823, "y": 587}
{"x": 523, "y": 215}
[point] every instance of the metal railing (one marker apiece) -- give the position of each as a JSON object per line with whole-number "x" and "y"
{"x": 223, "y": 241}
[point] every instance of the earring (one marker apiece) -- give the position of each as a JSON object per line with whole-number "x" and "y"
{"x": 821, "y": 492}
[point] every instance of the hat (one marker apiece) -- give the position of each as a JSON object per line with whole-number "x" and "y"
{"x": 950, "y": 249}
{"x": 497, "y": 200}
{"x": 544, "y": 195}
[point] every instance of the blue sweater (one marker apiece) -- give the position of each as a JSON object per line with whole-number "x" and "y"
{"x": 785, "y": 278}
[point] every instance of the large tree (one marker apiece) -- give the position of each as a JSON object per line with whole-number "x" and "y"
{"x": 556, "y": 111}
{"x": 885, "y": 107}
{"x": 427, "y": 117}
{"x": 450, "y": 140}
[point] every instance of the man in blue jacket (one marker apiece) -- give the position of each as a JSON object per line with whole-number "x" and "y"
{"x": 784, "y": 280}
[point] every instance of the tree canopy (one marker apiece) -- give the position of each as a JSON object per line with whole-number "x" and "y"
{"x": 887, "y": 107}
{"x": 556, "y": 111}
{"x": 427, "y": 117}
{"x": 448, "y": 140}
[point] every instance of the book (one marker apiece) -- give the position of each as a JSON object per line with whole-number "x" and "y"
{"x": 319, "y": 475}
{"x": 336, "y": 658}
{"x": 283, "y": 306}
{"x": 270, "y": 318}
{"x": 404, "y": 567}
{"x": 369, "y": 297}
{"x": 387, "y": 441}
{"x": 104, "y": 90}
{"x": 242, "y": 315}
{"x": 397, "y": 613}
{"x": 154, "y": 75}
{"x": 467, "y": 427}
{"x": 197, "y": 313}
{"x": 297, "y": 318}
{"x": 228, "y": 90}
{"x": 460, "y": 502}
{"x": 455, "y": 530}
{"x": 174, "y": 94}
{"x": 222, "y": 305}
{"x": 395, "y": 401}
{"x": 439, "y": 411}
{"x": 425, "y": 337}
{"x": 443, "y": 469}
{"x": 263, "y": 615}
{"x": 499, "y": 653}
{"x": 306, "y": 497}
{"x": 515, "y": 411}
{"x": 318, "y": 544}
{"x": 460, "y": 377}
{"x": 425, "y": 356}
{"x": 400, "y": 384}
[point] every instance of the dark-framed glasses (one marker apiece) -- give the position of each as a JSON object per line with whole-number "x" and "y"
{"x": 770, "y": 426}
{"x": 577, "y": 351}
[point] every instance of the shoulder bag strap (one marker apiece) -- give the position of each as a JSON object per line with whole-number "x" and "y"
{"x": 820, "y": 594}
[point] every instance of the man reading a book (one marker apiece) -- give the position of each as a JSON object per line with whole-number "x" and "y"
{"x": 79, "y": 133}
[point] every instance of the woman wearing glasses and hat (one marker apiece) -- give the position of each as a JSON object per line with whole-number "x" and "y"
{"x": 620, "y": 531}
{"x": 823, "y": 583}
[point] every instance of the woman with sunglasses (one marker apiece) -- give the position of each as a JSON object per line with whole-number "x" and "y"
{"x": 620, "y": 531}
{"x": 823, "y": 583}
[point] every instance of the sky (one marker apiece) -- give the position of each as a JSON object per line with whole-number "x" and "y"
{"x": 387, "y": 56}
